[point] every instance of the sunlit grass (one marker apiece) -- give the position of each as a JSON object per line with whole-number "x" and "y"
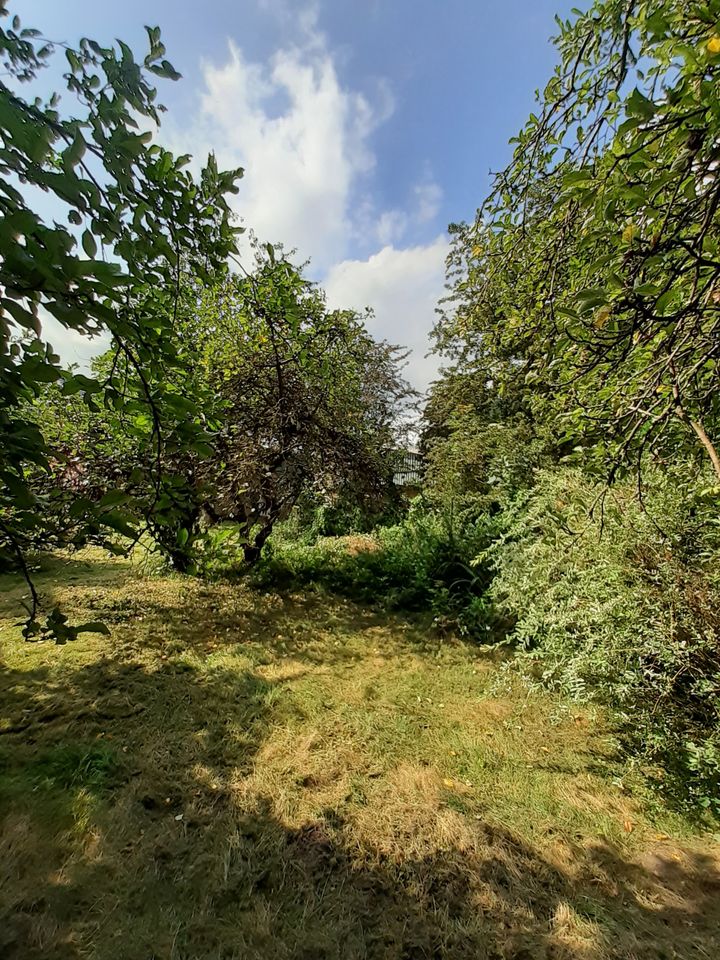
{"x": 245, "y": 774}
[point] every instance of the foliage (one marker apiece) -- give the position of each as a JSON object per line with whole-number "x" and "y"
{"x": 424, "y": 562}
{"x": 126, "y": 220}
{"x": 315, "y": 516}
{"x": 307, "y": 401}
{"x": 590, "y": 277}
{"x": 583, "y": 332}
{"x": 297, "y": 402}
{"x": 610, "y": 606}
{"x": 479, "y": 452}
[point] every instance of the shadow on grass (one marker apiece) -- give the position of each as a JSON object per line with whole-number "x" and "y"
{"x": 285, "y": 625}
{"x": 131, "y": 829}
{"x": 94, "y": 570}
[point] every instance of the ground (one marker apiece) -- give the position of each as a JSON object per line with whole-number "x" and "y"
{"x": 236, "y": 774}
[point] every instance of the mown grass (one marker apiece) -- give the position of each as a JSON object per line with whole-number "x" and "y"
{"x": 246, "y": 774}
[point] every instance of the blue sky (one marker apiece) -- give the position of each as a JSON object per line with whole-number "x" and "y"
{"x": 364, "y": 127}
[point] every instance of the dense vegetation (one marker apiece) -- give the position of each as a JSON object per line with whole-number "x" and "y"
{"x": 570, "y": 503}
{"x": 572, "y": 481}
{"x": 581, "y": 408}
{"x": 224, "y": 396}
{"x": 129, "y": 228}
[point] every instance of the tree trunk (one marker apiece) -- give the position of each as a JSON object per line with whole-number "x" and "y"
{"x": 179, "y": 560}
{"x": 697, "y": 427}
{"x": 253, "y": 550}
{"x": 708, "y": 444}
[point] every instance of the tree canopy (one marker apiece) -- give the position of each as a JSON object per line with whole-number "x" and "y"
{"x": 98, "y": 223}
{"x": 308, "y": 397}
{"x": 589, "y": 282}
{"x": 295, "y": 400}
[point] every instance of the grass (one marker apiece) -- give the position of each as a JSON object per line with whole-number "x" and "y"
{"x": 245, "y": 774}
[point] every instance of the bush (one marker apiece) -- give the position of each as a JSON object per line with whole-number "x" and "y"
{"x": 422, "y": 563}
{"x": 624, "y": 608}
{"x": 314, "y": 517}
{"x": 607, "y": 599}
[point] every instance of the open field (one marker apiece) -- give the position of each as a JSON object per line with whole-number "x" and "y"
{"x": 234, "y": 774}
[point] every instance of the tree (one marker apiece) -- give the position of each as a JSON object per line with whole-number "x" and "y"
{"x": 135, "y": 219}
{"x": 593, "y": 270}
{"x": 295, "y": 399}
{"x": 480, "y": 450}
{"x": 306, "y": 398}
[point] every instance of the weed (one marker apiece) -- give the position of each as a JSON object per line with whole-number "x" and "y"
{"x": 75, "y": 765}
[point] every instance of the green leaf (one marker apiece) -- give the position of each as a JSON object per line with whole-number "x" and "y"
{"x": 18, "y": 489}
{"x": 120, "y": 523}
{"x": 647, "y": 290}
{"x": 75, "y": 152}
{"x": 666, "y": 304}
{"x": 73, "y": 60}
{"x": 80, "y": 507}
{"x": 638, "y": 105}
{"x": 591, "y": 298}
{"x": 203, "y": 448}
{"x": 21, "y": 315}
{"x": 166, "y": 70}
{"x": 89, "y": 244}
{"x": 45, "y": 372}
{"x": 113, "y": 497}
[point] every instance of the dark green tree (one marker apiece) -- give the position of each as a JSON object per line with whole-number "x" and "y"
{"x": 295, "y": 400}
{"x": 308, "y": 399}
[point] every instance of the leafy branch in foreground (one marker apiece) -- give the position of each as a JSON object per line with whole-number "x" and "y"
{"x": 97, "y": 223}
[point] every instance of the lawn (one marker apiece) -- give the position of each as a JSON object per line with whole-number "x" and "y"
{"x": 243, "y": 774}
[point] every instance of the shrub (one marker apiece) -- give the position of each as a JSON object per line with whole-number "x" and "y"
{"x": 623, "y": 608}
{"x": 422, "y": 563}
{"x": 314, "y": 516}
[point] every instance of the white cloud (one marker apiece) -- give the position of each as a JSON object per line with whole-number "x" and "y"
{"x": 305, "y": 141}
{"x": 428, "y": 195}
{"x": 302, "y": 138}
{"x": 391, "y": 226}
{"x": 73, "y": 347}
{"x": 303, "y": 22}
{"x": 403, "y": 287}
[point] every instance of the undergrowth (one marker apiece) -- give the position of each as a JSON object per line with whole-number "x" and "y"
{"x": 610, "y": 606}
{"x": 603, "y": 597}
{"x": 426, "y": 562}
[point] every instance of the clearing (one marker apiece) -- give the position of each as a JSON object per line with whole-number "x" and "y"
{"x": 235, "y": 774}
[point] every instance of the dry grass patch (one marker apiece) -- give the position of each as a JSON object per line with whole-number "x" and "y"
{"x": 242, "y": 775}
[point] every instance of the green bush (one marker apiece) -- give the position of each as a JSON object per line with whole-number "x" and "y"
{"x": 606, "y": 598}
{"x": 624, "y": 607}
{"x": 422, "y": 563}
{"x": 314, "y": 517}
